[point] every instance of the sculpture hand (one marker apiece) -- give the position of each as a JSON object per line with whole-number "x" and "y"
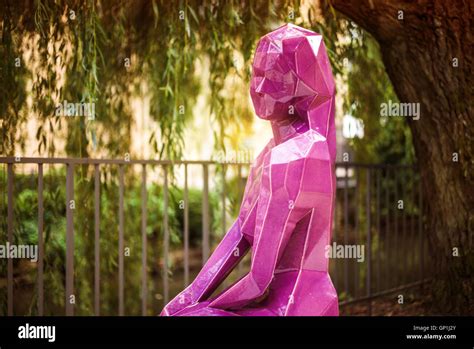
{"x": 217, "y": 267}
{"x": 180, "y": 302}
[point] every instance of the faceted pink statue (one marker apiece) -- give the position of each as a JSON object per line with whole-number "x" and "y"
{"x": 286, "y": 213}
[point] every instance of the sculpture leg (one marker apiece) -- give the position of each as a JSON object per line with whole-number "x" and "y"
{"x": 314, "y": 295}
{"x": 203, "y": 309}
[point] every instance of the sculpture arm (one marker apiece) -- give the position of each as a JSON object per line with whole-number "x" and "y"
{"x": 227, "y": 254}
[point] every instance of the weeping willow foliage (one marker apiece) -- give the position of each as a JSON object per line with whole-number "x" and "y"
{"x": 106, "y": 52}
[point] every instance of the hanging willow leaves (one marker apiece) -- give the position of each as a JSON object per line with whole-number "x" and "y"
{"x": 78, "y": 52}
{"x": 110, "y": 52}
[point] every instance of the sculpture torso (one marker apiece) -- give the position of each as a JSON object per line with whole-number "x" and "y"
{"x": 248, "y": 209}
{"x": 304, "y": 243}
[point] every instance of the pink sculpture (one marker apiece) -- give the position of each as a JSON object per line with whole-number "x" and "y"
{"x": 287, "y": 209}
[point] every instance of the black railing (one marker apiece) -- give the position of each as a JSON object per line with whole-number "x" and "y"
{"x": 378, "y": 213}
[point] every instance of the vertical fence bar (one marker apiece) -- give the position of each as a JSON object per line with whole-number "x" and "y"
{"x": 420, "y": 233}
{"x": 404, "y": 239}
{"x": 70, "y": 205}
{"x": 224, "y": 223}
{"x": 97, "y": 239}
{"x": 379, "y": 233}
{"x": 144, "y": 243}
{"x": 346, "y": 223}
{"x": 186, "y": 227}
{"x": 205, "y": 214}
{"x": 10, "y": 218}
{"x": 412, "y": 227}
{"x": 387, "y": 246}
{"x": 369, "y": 242}
{"x": 356, "y": 231}
{"x": 395, "y": 244}
{"x": 166, "y": 236}
{"x": 40, "y": 241}
{"x": 121, "y": 280}
{"x": 239, "y": 182}
{"x": 241, "y": 196}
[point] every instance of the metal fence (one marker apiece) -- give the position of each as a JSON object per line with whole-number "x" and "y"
{"x": 378, "y": 209}
{"x": 382, "y": 209}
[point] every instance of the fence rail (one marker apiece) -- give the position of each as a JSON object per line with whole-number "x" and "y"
{"x": 378, "y": 208}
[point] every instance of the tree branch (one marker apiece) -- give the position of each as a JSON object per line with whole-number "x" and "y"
{"x": 380, "y": 18}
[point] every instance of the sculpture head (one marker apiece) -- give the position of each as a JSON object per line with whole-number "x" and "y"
{"x": 291, "y": 73}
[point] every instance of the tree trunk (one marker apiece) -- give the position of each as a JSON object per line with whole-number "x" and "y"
{"x": 420, "y": 52}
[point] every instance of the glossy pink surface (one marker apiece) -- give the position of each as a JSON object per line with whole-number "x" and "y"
{"x": 286, "y": 214}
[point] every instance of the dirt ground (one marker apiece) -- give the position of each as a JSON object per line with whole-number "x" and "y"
{"x": 416, "y": 302}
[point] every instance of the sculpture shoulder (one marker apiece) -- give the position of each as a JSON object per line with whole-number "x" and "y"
{"x": 263, "y": 154}
{"x": 304, "y": 146}
{"x": 300, "y": 170}
{"x": 299, "y": 167}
